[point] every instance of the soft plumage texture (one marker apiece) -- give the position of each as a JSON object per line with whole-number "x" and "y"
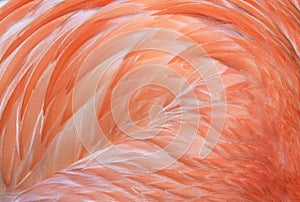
{"x": 50, "y": 52}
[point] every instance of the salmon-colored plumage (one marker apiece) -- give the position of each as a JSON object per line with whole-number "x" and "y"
{"x": 150, "y": 100}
